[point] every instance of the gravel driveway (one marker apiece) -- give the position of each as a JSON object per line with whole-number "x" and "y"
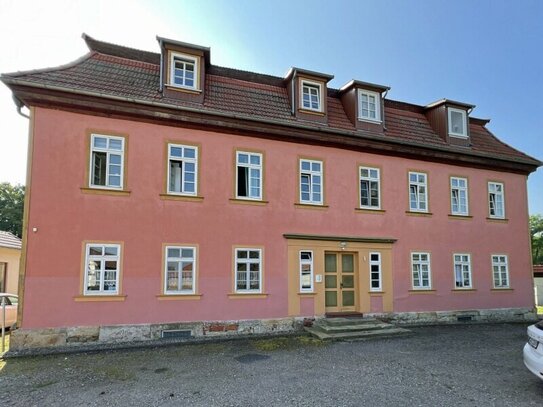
{"x": 468, "y": 365}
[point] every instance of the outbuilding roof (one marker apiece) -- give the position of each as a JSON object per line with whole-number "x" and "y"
{"x": 9, "y": 240}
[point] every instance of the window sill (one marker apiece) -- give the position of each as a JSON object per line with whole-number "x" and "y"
{"x": 175, "y": 297}
{"x": 307, "y": 294}
{"x": 237, "y": 296}
{"x": 194, "y": 91}
{"x": 460, "y": 217}
{"x": 457, "y": 135}
{"x": 104, "y": 191}
{"x": 248, "y": 201}
{"x": 376, "y": 293}
{"x": 497, "y": 220}
{"x": 309, "y": 111}
{"x": 96, "y": 298}
{"x": 463, "y": 290}
{"x": 186, "y": 198}
{"x": 422, "y": 291}
{"x": 366, "y": 120}
{"x": 372, "y": 211}
{"x": 302, "y": 205}
{"x": 502, "y": 289}
{"x": 423, "y": 214}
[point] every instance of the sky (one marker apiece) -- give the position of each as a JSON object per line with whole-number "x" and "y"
{"x": 488, "y": 52}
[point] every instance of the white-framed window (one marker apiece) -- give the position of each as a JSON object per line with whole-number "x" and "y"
{"x": 369, "y": 105}
{"x": 306, "y": 271}
{"x": 182, "y": 169}
{"x": 370, "y": 188}
{"x": 106, "y": 161}
{"x": 248, "y": 270}
{"x": 183, "y": 70}
{"x": 462, "y": 270}
{"x": 418, "y": 192}
{"x": 420, "y": 268}
{"x": 102, "y": 269}
{"x": 179, "y": 270}
{"x": 459, "y": 196}
{"x": 376, "y": 283}
{"x": 500, "y": 271}
{"x": 457, "y": 122}
{"x": 311, "y": 182}
{"x": 248, "y": 175}
{"x": 311, "y": 95}
{"x": 496, "y": 202}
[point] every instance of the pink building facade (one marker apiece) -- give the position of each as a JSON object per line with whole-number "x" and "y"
{"x": 220, "y": 202}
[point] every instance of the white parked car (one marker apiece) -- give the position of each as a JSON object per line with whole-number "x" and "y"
{"x": 11, "y": 309}
{"x": 533, "y": 350}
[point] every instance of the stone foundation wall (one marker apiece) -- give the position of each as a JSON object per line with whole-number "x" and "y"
{"x": 23, "y": 339}
{"x": 27, "y": 339}
{"x": 452, "y": 317}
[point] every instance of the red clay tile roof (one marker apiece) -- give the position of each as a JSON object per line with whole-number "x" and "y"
{"x": 9, "y": 240}
{"x": 128, "y": 73}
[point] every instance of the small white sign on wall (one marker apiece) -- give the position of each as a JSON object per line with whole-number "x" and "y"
{"x": 318, "y": 278}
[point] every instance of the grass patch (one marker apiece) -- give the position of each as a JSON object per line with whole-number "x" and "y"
{"x": 117, "y": 373}
{"x": 44, "y": 384}
{"x": 280, "y": 343}
{"x": 539, "y": 310}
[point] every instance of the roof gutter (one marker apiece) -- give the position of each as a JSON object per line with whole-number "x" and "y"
{"x": 367, "y": 135}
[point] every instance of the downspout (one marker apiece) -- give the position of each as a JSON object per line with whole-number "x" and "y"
{"x": 292, "y": 107}
{"x": 383, "y": 109}
{"x": 19, "y": 105}
{"x": 161, "y": 87}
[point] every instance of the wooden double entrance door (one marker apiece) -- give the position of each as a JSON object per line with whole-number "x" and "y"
{"x": 340, "y": 281}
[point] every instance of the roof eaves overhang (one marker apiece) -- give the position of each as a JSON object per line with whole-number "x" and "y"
{"x": 294, "y": 71}
{"x": 449, "y": 102}
{"x": 530, "y": 162}
{"x": 364, "y": 85}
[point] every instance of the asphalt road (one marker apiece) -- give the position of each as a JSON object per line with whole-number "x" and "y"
{"x": 468, "y": 365}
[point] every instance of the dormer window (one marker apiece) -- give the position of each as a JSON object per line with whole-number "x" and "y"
{"x": 311, "y": 96}
{"x": 369, "y": 105}
{"x": 184, "y": 71}
{"x": 457, "y": 123}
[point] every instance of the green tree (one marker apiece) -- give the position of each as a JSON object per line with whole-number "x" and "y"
{"x": 12, "y": 198}
{"x": 536, "y": 233}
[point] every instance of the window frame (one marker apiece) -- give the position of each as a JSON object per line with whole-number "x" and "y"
{"x": 249, "y": 166}
{"x": 462, "y": 263}
{"x": 502, "y": 196}
{"x": 194, "y": 160}
{"x": 311, "y": 173}
{"x": 311, "y": 84}
{"x": 377, "y": 96}
{"x": 420, "y": 262}
{"x": 369, "y": 179}
{"x": 418, "y": 184}
{"x": 108, "y": 151}
{"x": 498, "y": 264}
{"x": 466, "y": 189}
{"x": 464, "y": 114}
{"x": 311, "y": 273}
{"x": 261, "y": 270}
{"x": 379, "y": 263}
{"x": 194, "y": 259}
{"x": 196, "y": 61}
{"x": 87, "y": 258}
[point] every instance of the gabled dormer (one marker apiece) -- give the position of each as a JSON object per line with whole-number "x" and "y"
{"x": 363, "y": 104}
{"x": 450, "y": 120}
{"x": 182, "y": 69}
{"x": 307, "y": 91}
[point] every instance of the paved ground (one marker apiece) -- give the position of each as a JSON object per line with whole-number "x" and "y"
{"x": 476, "y": 365}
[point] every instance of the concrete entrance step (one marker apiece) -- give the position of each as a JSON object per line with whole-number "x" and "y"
{"x": 376, "y": 333}
{"x": 354, "y": 329}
